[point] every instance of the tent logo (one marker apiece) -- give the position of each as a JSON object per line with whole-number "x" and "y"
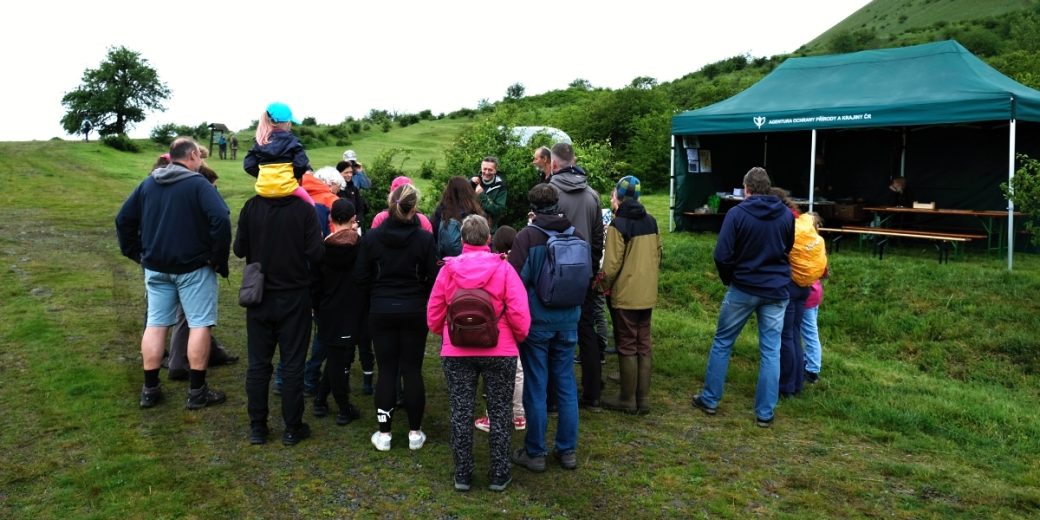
{"x": 759, "y": 121}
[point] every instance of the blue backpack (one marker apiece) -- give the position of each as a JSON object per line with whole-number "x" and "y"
{"x": 565, "y": 275}
{"x": 449, "y": 238}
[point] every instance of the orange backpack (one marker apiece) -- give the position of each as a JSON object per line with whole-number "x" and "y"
{"x": 808, "y": 257}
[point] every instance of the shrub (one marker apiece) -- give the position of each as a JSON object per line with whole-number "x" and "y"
{"x": 427, "y": 169}
{"x": 381, "y": 170}
{"x": 1024, "y": 191}
{"x": 355, "y": 127}
{"x": 121, "y": 142}
{"x": 309, "y": 121}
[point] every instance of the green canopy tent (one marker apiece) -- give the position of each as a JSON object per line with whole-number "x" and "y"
{"x": 911, "y": 87}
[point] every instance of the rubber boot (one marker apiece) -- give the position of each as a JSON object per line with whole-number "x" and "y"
{"x": 626, "y": 401}
{"x": 643, "y": 385}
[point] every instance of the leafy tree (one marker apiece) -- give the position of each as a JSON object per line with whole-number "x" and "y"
{"x": 515, "y": 91}
{"x": 1024, "y": 191}
{"x": 309, "y": 121}
{"x": 114, "y": 96}
{"x": 643, "y": 82}
{"x": 580, "y": 84}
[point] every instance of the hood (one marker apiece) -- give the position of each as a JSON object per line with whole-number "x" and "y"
{"x": 570, "y": 179}
{"x": 474, "y": 267}
{"x": 282, "y": 141}
{"x": 172, "y": 173}
{"x": 631, "y": 209}
{"x": 552, "y": 222}
{"x": 343, "y": 237}
{"x": 397, "y": 234}
{"x": 763, "y": 207}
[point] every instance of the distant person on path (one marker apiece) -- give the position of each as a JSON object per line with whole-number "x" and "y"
{"x": 178, "y": 228}
{"x": 751, "y": 257}
{"x": 277, "y": 158}
{"x": 234, "y": 147}
{"x": 548, "y": 352}
{"x": 397, "y": 266}
{"x": 630, "y": 270}
{"x": 490, "y": 190}
{"x": 580, "y": 204}
{"x": 222, "y": 144}
{"x": 478, "y": 268}
{"x": 283, "y": 235}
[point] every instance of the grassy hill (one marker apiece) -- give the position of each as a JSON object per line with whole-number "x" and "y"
{"x": 925, "y": 408}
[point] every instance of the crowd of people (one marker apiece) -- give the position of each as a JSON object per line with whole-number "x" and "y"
{"x": 514, "y": 308}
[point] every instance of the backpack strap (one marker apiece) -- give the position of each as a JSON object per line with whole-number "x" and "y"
{"x": 551, "y": 233}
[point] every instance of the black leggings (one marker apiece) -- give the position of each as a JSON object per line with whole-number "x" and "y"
{"x": 336, "y": 378}
{"x": 399, "y": 341}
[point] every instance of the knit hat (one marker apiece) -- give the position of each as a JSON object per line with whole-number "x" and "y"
{"x": 398, "y": 182}
{"x": 628, "y": 187}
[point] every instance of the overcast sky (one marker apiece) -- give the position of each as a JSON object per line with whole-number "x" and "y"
{"x": 224, "y": 61}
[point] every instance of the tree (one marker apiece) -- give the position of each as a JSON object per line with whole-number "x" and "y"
{"x": 114, "y": 96}
{"x": 643, "y": 82}
{"x": 515, "y": 91}
{"x": 580, "y": 84}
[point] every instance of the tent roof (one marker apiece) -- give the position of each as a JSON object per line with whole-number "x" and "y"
{"x": 934, "y": 83}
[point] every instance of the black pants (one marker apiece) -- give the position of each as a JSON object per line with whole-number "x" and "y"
{"x": 282, "y": 319}
{"x": 364, "y": 349}
{"x": 792, "y": 357}
{"x": 336, "y": 377}
{"x": 399, "y": 341}
{"x": 588, "y": 345}
{"x": 461, "y": 375}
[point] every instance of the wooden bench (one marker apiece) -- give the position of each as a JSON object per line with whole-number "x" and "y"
{"x": 944, "y": 241}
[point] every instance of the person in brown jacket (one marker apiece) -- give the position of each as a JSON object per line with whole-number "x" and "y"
{"x": 630, "y": 270}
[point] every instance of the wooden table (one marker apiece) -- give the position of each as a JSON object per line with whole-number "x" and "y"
{"x": 985, "y": 216}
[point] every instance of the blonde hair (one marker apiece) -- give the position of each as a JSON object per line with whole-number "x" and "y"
{"x": 402, "y": 202}
{"x": 265, "y": 127}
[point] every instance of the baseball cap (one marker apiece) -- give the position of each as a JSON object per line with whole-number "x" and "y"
{"x": 398, "y": 182}
{"x": 350, "y": 155}
{"x": 628, "y": 187}
{"x": 280, "y": 113}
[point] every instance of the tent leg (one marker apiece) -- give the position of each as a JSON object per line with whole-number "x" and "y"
{"x": 1011, "y": 203}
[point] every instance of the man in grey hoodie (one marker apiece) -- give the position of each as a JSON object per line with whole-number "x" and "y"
{"x": 178, "y": 228}
{"x": 580, "y": 204}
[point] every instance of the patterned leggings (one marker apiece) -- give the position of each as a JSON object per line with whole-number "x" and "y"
{"x": 461, "y": 374}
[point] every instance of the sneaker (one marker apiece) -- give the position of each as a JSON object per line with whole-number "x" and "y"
{"x": 150, "y": 396}
{"x": 567, "y": 460}
{"x": 811, "y": 377}
{"x": 500, "y": 483}
{"x": 697, "y": 402}
{"x": 320, "y": 408}
{"x": 345, "y": 417}
{"x": 294, "y": 436}
{"x": 483, "y": 424}
{"x": 416, "y": 440}
{"x": 763, "y": 423}
{"x": 381, "y": 441}
{"x": 203, "y": 397}
{"x": 463, "y": 483}
{"x": 258, "y": 434}
{"x": 520, "y": 423}
{"x": 535, "y": 464}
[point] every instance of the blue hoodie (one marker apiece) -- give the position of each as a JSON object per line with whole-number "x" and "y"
{"x": 752, "y": 249}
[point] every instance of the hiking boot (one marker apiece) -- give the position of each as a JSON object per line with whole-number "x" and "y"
{"x": 811, "y": 377}
{"x": 567, "y": 460}
{"x": 483, "y": 424}
{"x": 320, "y": 408}
{"x": 258, "y": 434}
{"x": 463, "y": 483}
{"x": 150, "y": 396}
{"x": 763, "y": 423}
{"x": 500, "y": 483}
{"x": 293, "y": 436}
{"x": 347, "y": 416}
{"x": 416, "y": 440}
{"x": 698, "y": 403}
{"x": 381, "y": 441}
{"x": 535, "y": 464}
{"x": 203, "y": 397}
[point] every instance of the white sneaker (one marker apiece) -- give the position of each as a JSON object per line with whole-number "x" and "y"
{"x": 416, "y": 440}
{"x": 381, "y": 441}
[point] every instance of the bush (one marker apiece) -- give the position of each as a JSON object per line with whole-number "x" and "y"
{"x": 121, "y": 142}
{"x": 355, "y": 127}
{"x": 381, "y": 170}
{"x": 1024, "y": 191}
{"x": 427, "y": 169}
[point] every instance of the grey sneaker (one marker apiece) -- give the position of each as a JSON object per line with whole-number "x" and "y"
{"x": 150, "y": 396}
{"x": 567, "y": 460}
{"x": 463, "y": 483}
{"x": 697, "y": 402}
{"x": 500, "y": 483}
{"x": 203, "y": 397}
{"x": 535, "y": 464}
{"x": 764, "y": 423}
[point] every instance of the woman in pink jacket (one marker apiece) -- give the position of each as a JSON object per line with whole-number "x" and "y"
{"x": 478, "y": 268}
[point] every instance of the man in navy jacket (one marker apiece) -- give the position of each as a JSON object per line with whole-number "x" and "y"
{"x": 751, "y": 257}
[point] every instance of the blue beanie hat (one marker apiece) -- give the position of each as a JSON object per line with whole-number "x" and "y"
{"x": 628, "y": 187}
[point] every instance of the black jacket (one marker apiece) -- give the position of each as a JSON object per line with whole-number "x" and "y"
{"x": 341, "y": 300}
{"x": 397, "y": 267}
{"x": 283, "y": 235}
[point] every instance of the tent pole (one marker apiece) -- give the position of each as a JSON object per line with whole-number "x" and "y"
{"x": 671, "y": 190}
{"x": 765, "y": 151}
{"x": 812, "y": 170}
{"x": 1011, "y": 203}
{"x": 902, "y": 156}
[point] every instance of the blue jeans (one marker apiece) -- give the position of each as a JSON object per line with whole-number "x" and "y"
{"x": 549, "y": 356}
{"x": 811, "y": 339}
{"x": 737, "y": 307}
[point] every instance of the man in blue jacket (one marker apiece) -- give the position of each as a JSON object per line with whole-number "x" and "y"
{"x": 751, "y": 257}
{"x": 178, "y": 228}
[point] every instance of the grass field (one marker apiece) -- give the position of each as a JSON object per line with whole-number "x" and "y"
{"x": 926, "y": 407}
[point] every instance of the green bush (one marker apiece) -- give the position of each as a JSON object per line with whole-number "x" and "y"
{"x": 427, "y": 169}
{"x": 381, "y": 170}
{"x": 1024, "y": 191}
{"x": 121, "y": 142}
